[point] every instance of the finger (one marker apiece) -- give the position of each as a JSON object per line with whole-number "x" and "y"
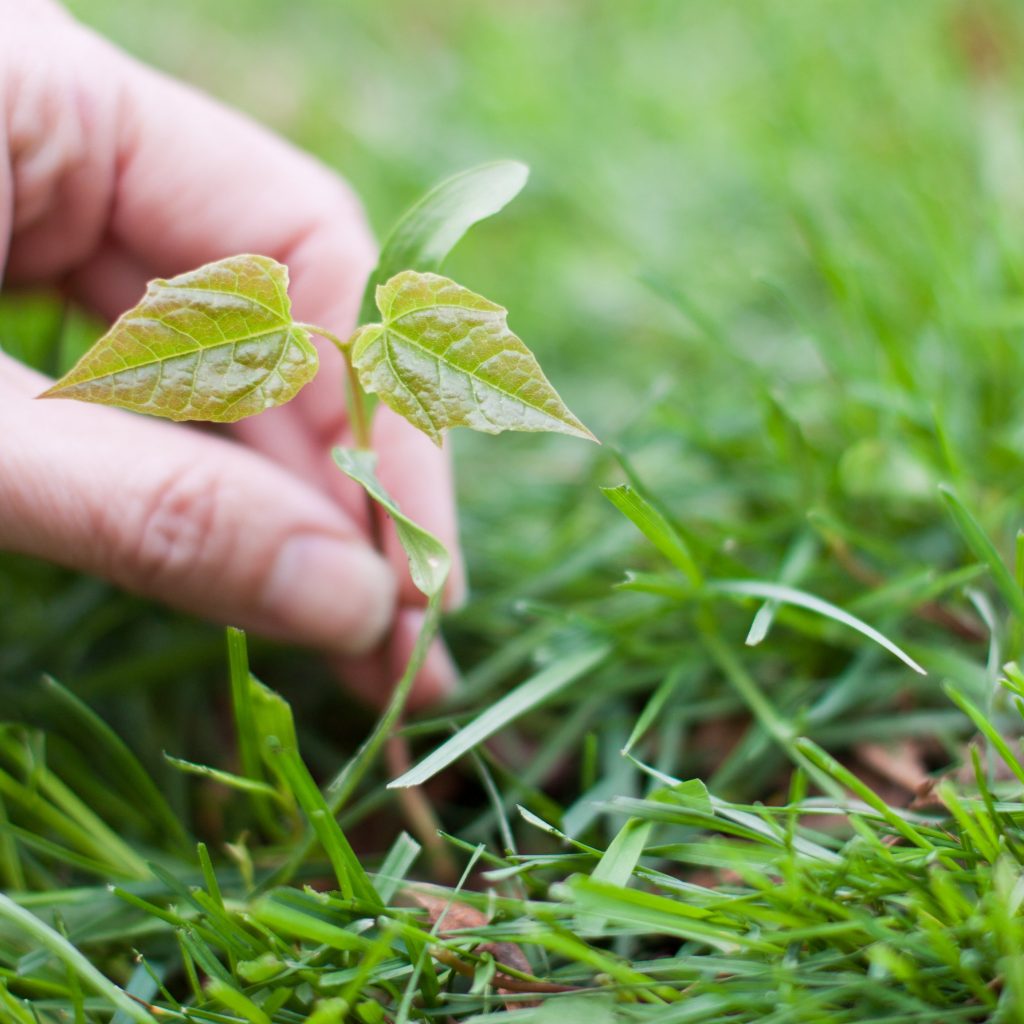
{"x": 193, "y": 520}
{"x": 373, "y": 675}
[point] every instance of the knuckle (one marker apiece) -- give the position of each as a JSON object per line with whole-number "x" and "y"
{"x": 178, "y": 529}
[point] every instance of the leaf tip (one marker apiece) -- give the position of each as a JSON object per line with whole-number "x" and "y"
{"x": 56, "y": 390}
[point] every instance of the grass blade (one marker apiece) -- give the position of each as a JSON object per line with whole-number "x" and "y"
{"x": 245, "y": 785}
{"x": 523, "y": 698}
{"x": 984, "y": 550}
{"x": 124, "y": 765}
{"x": 987, "y": 729}
{"x": 352, "y": 877}
{"x": 655, "y": 527}
{"x": 790, "y": 595}
{"x": 65, "y": 952}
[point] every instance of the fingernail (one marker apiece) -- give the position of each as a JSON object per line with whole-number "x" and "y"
{"x": 330, "y": 593}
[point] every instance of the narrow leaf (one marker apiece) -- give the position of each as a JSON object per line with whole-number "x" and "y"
{"x": 217, "y": 343}
{"x": 431, "y": 228}
{"x": 404, "y": 851}
{"x": 228, "y": 779}
{"x": 301, "y": 915}
{"x": 242, "y": 704}
{"x": 429, "y": 561}
{"x": 798, "y": 561}
{"x": 789, "y": 595}
{"x": 828, "y": 764}
{"x": 115, "y": 754}
{"x": 655, "y": 527}
{"x": 990, "y": 732}
{"x": 523, "y": 698}
{"x": 984, "y": 550}
{"x": 352, "y": 877}
{"x": 618, "y": 862}
{"x": 653, "y": 707}
{"x": 443, "y": 356}
{"x": 59, "y": 946}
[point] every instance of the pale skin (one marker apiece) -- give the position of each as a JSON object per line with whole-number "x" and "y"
{"x": 112, "y": 174}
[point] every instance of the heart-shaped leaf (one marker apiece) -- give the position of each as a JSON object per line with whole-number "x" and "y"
{"x": 217, "y": 343}
{"x": 444, "y": 356}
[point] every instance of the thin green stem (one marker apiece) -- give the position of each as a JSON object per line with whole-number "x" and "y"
{"x": 354, "y": 393}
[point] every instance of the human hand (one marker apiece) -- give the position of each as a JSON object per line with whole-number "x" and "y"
{"x": 111, "y": 174}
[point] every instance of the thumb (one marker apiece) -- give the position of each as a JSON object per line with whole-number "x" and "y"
{"x": 185, "y": 517}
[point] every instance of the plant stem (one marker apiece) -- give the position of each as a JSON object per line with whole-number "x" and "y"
{"x": 356, "y": 398}
{"x": 415, "y": 806}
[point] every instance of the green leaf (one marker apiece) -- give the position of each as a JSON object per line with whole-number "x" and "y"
{"x": 443, "y": 356}
{"x": 272, "y": 715}
{"x": 618, "y": 862}
{"x": 987, "y": 729}
{"x": 655, "y": 527}
{"x": 55, "y": 943}
{"x": 984, "y": 550}
{"x": 431, "y": 228}
{"x": 541, "y": 687}
{"x": 782, "y": 594}
{"x": 228, "y": 779}
{"x": 217, "y": 343}
{"x": 351, "y": 876}
{"x": 429, "y": 561}
{"x": 77, "y": 717}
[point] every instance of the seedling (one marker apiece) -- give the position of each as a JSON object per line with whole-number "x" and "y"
{"x": 219, "y": 344}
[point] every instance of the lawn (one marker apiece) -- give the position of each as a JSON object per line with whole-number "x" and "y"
{"x": 770, "y": 253}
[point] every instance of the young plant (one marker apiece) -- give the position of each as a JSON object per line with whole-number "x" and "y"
{"x": 219, "y": 343}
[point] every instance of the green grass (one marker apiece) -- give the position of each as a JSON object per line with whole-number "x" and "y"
{"x": 771, "y": 253}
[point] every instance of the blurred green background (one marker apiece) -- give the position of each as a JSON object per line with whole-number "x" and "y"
{"x": 763, "y": 244}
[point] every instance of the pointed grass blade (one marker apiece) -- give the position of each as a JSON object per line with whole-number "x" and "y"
{"x": 782, "y": 594}
{"x": 76, "y": 961}
{"x": 431, "y": 227}
{"x": 984, "y": 550}
{"x": 523, "y": 698}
